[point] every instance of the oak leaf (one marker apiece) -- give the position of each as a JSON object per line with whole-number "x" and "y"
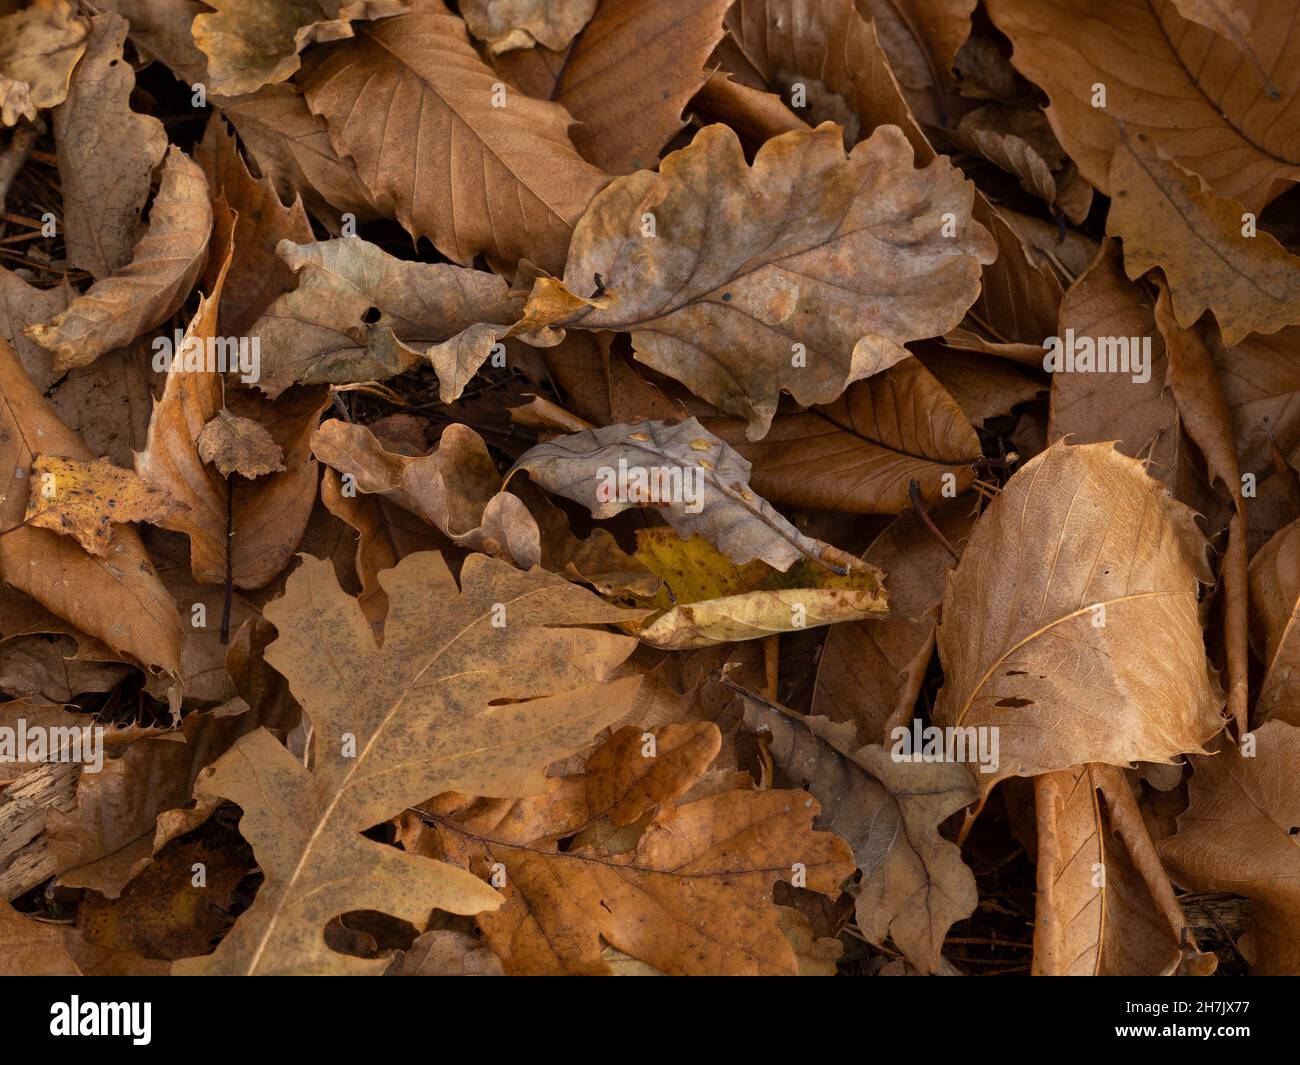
{"x": 360, "y": 314}
{"x": 914, "y": 883}
{"x": 455, "y": 488}
{"x": 39, "y": 46}
{"x": 811, "y": 272}
{"x": 107, "y": 153}
{"x": 251, "y": 43}
{"x": 1238, "y": 835}
{"x": 692, "y": 894}
{"x": 507, "y": 24}
{"x": 449, "y": 702}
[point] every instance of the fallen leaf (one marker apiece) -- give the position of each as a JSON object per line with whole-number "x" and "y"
{"x": 86, "y": 499}
{"x": 33, "y": 947}
{"x": 259, "y": 523}
{"x": 251, "y": 43}
{"x": 698, "y": 483}
{"x": 692, "y": 896}
{"x": 861, "y": 452}
{"x": 107, "y": 153}
{"x": 239, "y": 445}
{"x": 1096, "y": 913}
{"x": 358, "y": 314}
{"x": 507, "y": 24}
{"x": 431, "y": 710}
{"x": 40, "y": 46}
{"x": 1275, "y": 597}
{"x": 1167, "y": 217}
{"x": 455, "y": 488}
{"x": 1182, "y": 85}
{"x": 256, "y": 275}
{"x": 141, "y": 295}
{"x": 623, "y": 123}
{"x": 1084, "y": 575}
{"x": 117, "y": 599}
{"x": 518, "y": 157}
{"x": 443, "y": 952}
{"x": 1237, "y": 836}
{"x": 693, "y": 308}
{"x": 707, "y": 599}
{"x": 870, "y": 672}
{"x": 914, "y": 882}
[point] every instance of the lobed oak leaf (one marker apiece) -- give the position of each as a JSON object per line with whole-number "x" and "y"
{"x": 507, "y": 24}
{"x": 692, "y": 896}
{"x": 106, "y": 152}
{"x": 251, "y": 43}
{"x": 811, "y": 272}
{"x": 1071, "y": 622}
{"x": 840, "y": 59}
{"x": 359, "y": 314}
{"x": 86, "y": 499}
{"x": 914, "y": 883}
{"x": 39, "y": 46}
{"x": 449, "y": 702}
{"x": 455, "y": 488}
{"x": 1238, "y": 835}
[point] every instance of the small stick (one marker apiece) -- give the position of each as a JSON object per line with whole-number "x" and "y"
{"x": 230, "y": 560}
{"x": 914, "y": 494}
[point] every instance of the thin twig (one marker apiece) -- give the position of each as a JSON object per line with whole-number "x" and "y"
{"x": 230, "y": 560}
{"x": 918, "y": 505}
